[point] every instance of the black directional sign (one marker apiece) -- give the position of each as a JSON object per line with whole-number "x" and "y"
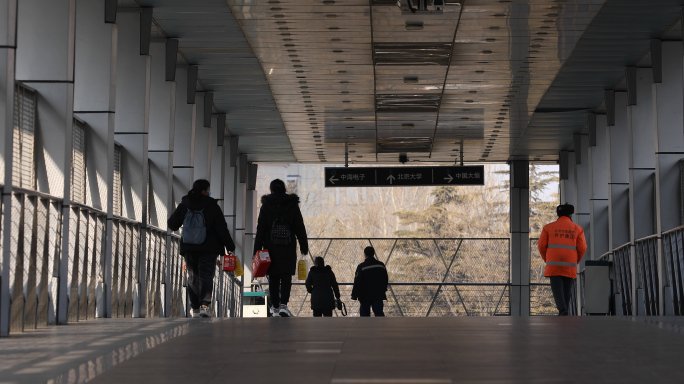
{"x": 403, "y": 176}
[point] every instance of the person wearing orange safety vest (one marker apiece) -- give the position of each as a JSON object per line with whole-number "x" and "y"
{"x": 562, "y": 246}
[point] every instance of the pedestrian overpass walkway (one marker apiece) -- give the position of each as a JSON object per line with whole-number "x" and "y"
{"x": 350, "y": 350}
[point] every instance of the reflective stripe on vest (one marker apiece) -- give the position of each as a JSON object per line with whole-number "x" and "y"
{"x": 562, "y": 246}
{"x": 562, "y": 263}
{"x": 373, "y": 266}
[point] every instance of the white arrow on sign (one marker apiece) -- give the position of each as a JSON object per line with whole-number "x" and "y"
{"x": 449, "y": 177}
{"x": 332, "y": 179}
{"x": 390, "y": 178}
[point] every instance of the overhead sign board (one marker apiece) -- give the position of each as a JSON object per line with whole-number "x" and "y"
{"x": 404, "y": 176}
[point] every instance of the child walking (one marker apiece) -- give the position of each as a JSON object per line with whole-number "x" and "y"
{"x": 322, "y": 285}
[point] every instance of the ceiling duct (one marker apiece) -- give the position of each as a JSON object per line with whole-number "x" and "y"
{"x": 408, "y": 103}
{"x": 412, "y": 53}
{"x": 404, "y": 144}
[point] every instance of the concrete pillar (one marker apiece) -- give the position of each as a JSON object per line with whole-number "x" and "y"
{"x": 132, "y": 132}
{"x": 184, "y": 137}
{"x": 618, "y": 200}
{"x": 598, "y": 179}
{"x": 162, "y": 132}
{"x": 95, "y": 103}
{"x": 202, "y": 142}
{"x": 641, "y": 156}
{"x": 567, "y": 185}
{"x": 163, "y": 95}
{"x": 251, "y": 199}
{"x": 240, "y": 209}
{"x": 520, "y": 238}
{"x": 618, "y": 163}
{"x": 582, "y": 216}
{"x": 8, "y": 21}
{"x": 217, "y": 165}
{"x": 668, "y": 118}
{"x": 45, "y": 62}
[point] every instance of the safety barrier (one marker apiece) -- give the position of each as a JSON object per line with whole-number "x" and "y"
{"x": 647, "y": 267}
{"x": 428, "y": 277}
{"x": 144, "y": 267}
{"x": 34, "y": 261}
{"x": 541, "y": 298}
{"x": 623, "y": 276}
{"x": 673, "y": 249}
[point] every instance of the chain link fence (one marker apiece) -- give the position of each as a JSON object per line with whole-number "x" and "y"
{"x": 428, "y": 277}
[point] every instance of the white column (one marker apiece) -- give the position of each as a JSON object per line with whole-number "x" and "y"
{"x": 618, "y": 163}
{"x": 582, "y": 215}
{"x": 202, "y": 152}
{"x": 132, "y": 132}
{"x": 641, "y": 157}
{"x": 45, "y": 62}
{"x": 598, "y": 178}
{"x": 240, "y": 216}
{"x": 162, "y": 132}
{"x": 567, "y": 185}
{"x": 8, "y": 19}
{"x": 618, "y": 200}
{"x": 520, "y": 238}
{"x": 668, "y": 118}
{"x": 94, "y": 103}
{"x": 184, "y": 138}
{"x": 161, "y": 143}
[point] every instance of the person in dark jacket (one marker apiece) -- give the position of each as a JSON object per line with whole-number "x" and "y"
{"x": 285, "y": 208}
{"x": 322, "y": 284}
{"x": 200, "y": 259}
{"x": 370, "y": 284}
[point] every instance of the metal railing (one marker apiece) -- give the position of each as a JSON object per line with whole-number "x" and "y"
{"x": 125, "y": 269}
{"x": 146, "y": 270}
{"x": 34, "y": 261}
{"x": 647, "y": 266}
{"x": 673, "y": 249}
{"x": 623, "y": 276}
{"x": 541, "y": 298}
{"x": 87, "y": 229}
{"x": 428, "y": 277}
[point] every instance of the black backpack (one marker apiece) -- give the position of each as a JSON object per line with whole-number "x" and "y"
{"x": 281, "y": 234}
{"x": 194, "y": 227}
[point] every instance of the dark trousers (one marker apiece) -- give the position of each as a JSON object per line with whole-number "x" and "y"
{"x": 200, "y": 267}
{"x": 279, "y": 287}
{"x": 561, "y": 287}
{"x": 322, "y": 312}
{"x": 366, "y": 305}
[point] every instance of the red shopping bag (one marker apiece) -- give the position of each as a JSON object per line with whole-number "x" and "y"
{"x": 260, "y": 263}
{"x": 229, "y": 262}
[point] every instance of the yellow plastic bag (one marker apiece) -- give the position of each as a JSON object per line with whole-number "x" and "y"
{"x": 238, "y": 268}
{"x": 302, "y": 267}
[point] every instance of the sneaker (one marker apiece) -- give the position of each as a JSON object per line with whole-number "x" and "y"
{"x": 284, "y": 312}
{"x": 274, "y": 311}
{"x": 194, "y": 313}
{"x": 204, "y": 311}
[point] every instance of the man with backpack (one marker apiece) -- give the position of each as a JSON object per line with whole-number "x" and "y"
{"x": 279, "y": 226}
{"x": 205, "y": 237}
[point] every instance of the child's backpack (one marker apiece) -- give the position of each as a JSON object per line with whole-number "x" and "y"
{"x": 194, "y": 227}
{"x": 280, "y": 231}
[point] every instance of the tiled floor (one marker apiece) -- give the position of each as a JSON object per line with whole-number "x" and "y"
{"x": 351, "y": 350}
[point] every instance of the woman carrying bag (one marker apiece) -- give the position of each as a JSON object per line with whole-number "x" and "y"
{"x": 322, "y": 285}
